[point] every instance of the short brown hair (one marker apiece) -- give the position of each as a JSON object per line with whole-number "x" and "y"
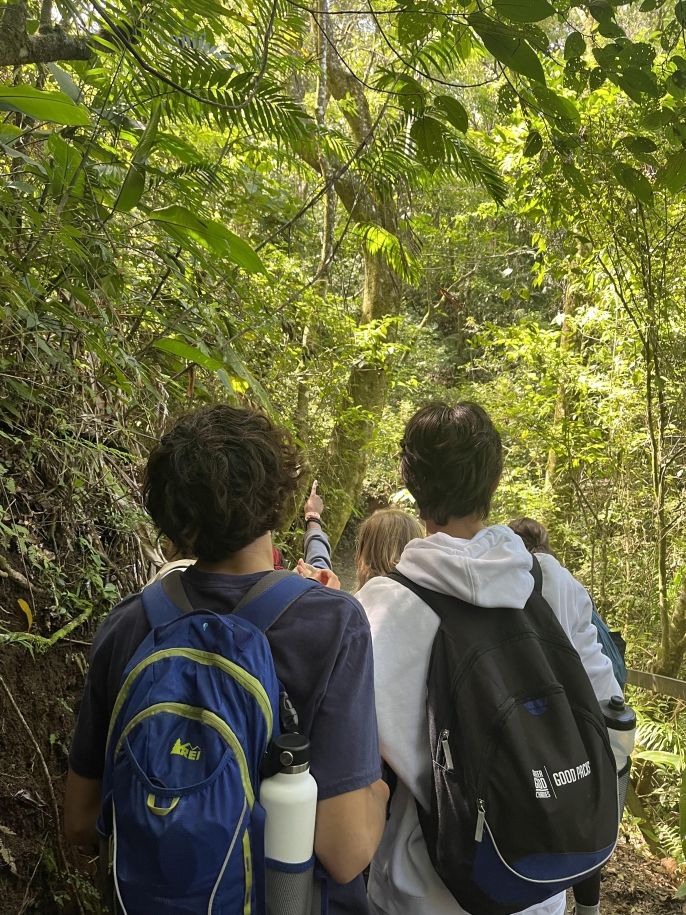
{"x": 533, "y": 533}
{"x": 218, "y": 480}
{"x": 381, "y": 540}
{"x": 452, "y": 458}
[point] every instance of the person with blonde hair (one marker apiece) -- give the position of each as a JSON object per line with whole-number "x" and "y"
{"x": 381, "y": 541}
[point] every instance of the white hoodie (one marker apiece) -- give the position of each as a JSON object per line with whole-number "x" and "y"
{"x": 490, "y": 570}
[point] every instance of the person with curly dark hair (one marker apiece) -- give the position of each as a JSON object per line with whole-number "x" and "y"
{"x": 216, "y": 485}
{"x": 452, "y": 461}
{"x": 218, "y": 481}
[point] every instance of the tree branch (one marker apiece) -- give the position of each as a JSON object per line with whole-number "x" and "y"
{"x": 18, "y": 48}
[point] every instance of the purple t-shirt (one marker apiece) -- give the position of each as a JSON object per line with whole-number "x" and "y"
{"x": 323, "y": 657}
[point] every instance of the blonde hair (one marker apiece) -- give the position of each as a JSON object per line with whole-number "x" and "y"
{"x": 381, "y": 540}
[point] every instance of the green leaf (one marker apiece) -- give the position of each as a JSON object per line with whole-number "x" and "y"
{"x": 661, "y": 758}
{"x": 66, "y": 171}
{"x": 411, "y": 94}
{"x": 132, "y": 188}
{"x": 179, "y": 222}
{"x": 533, "y": 145}
{"x": 608, "y": 28}
{"x": 640, "y": 144}
{"x": 9, "y": 132}
{"x": 55, "y": 107}
{"x": 596, "y": 78}
{"x": 149, "y": 136}
{"x": 659, "y": 118}
{"x": 189, "y": 353}
{"x": 427, "y": 133}
{"x": 507, "y": 46}
{"x": 575, "y": 46}
{"x": 682, "y": 816}
{"x": 524, "y": 10}
{"x": 239, "y": 368}
{"x": 640, "y": 81}
{"x": 378, "y": 240}
{"x": 672, "y": 175}
{"x": 413, "y": 26}
{"x": 633, "y": 181}
{"x": 453, "y": 111}
{"x": 64, "y": 81}
{"x": 555, "y": 104}
{"x": 576, "y": 178}
{"x": 601, "y": 10}
{"x": 680, "y": 12}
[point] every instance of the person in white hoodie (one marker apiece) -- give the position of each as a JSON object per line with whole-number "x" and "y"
{"x": 451, "y": 463}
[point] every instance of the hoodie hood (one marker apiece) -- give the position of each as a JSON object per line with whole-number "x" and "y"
{"x": 493, "y": 569}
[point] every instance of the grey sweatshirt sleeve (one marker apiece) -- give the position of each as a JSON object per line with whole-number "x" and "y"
{"x": 317, "y": 548}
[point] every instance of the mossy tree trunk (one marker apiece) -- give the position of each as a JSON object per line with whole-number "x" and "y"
{"x": 365, "y": 394}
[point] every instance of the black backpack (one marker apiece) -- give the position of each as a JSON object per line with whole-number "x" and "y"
{"x": 524, "y": 784}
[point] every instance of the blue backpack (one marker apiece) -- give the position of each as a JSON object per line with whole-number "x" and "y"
{"x": 611, "y": 644}
{"x": 197, "y": 707}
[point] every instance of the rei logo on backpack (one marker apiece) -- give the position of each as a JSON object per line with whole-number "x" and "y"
{"x": 197, "y": 707}
{"x": 524, "y": 784}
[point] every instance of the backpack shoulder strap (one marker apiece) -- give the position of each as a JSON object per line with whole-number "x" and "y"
{"x": 165, "y": 600}
{"x": 410, "y": 585}
{"x": 439, "y": 603}
{"x": 269, "y": 599}
{"x": 537, "y": 574}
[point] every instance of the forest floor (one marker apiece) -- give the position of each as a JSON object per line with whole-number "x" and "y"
{"x": 637, "y": 883}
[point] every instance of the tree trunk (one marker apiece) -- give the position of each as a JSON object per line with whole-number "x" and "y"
{"x": 363, "y": 404}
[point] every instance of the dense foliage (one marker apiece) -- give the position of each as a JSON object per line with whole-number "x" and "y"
{"x": 339, "y": 211}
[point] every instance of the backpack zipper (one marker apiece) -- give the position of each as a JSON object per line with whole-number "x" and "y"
{"x": 511, "y": 869}
{"x": 480, "y": 820}
{"x": 445, "y": 747}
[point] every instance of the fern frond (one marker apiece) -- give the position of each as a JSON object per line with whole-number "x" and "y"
{"x": 217, "y": 60}
{"x": 465, "y": 160}
{"x": 204, "y": 173}
{"x": 442, "y": 56}
{"x": 378, "y": 240}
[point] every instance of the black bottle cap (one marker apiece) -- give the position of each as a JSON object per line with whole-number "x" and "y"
{"x": 618, "y": 715}
{"x": 292, "y": 751}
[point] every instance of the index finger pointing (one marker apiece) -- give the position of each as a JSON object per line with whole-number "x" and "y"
{"x": 313, "y": 491}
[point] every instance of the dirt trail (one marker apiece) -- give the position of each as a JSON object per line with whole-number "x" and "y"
{"x": 636, "y": 883}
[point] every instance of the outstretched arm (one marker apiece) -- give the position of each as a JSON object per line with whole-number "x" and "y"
{"x": 317, "y": 547}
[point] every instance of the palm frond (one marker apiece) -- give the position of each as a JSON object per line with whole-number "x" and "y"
{"x": 442, "y": 56}
{"x": 378, "y": 240}
{"x": 465, "y": 160}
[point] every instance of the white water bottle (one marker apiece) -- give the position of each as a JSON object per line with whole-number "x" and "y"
{"x": 620, "y": 720}
{"x": 289, "y": 799}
